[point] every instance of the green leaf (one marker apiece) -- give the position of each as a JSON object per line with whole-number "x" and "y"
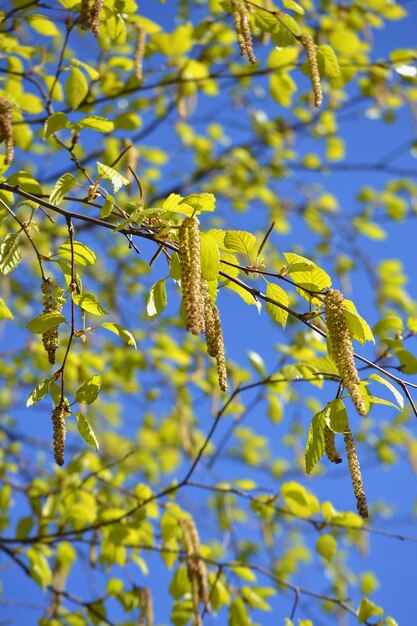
{"x": 61, "y": 188}
{"x": 83, "y": 256}
{"x": 10, "y": 254}
{"x": 315, "y": 446}
{"x": 97, "y": 123}
{"x": 89, "y": 391}
{"x": 93, "y": 74}
{"x": 86, "y": 431}
{"x": 107, "y": 207}
{"x": 359, "y": 329}
{"x": 157, "y": 299}
{"x": 240, "y": 241}
{"x": 408, "y": 361}
{"x": 210, "y": 257}
{"x": 76, "y": 88}
{"x": 44, "y": 322}
{"x": 253, "y": 599}
{"x": 326, "y": 546}
{"x": 282, "y": 87}
{"x": 181, "y": 613}
{"x": 299, "y": 500}
{"x": 398, "y": 397}
{"x": 275, "y": 292}
{"x": 25, "y": 181}
{"x": 368, "y": 609}
{"x": 244, "y": 572}
{"x": 43, "y": 26}
{"x": 293, "y": 6}
{"x": 200, "y": 202}
{"x": 336, "y": 416}
{"x": 55, "y": 122}
{"x": 238, "y": 614}
{"x": 327, "y": 62}
{"x": 88, "y": 302}
{"x": 121, "y": 332}
{"x": 180, "y": 583}
{"x": 5, "y": 312}
{"x": 116, "y": 179}
{"x": 39, "y": 567}
{"x": 38, "y": 392}
{"x": 135, "y": 217}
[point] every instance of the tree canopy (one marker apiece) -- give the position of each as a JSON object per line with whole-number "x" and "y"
{"x": 207, "y": 335}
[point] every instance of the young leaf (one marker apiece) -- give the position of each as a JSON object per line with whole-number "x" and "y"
{"x": 39, "y": 567}
{"x": 83, "y": 256}
{"x": 97, "y": 123}
{"x": 240, "y": 241}
{"x": 359, "y": 329}
{"x": 88, "y": 302}
{"x": 315, "y": 446}
{"x": 61, "y": 187}
{"x": 157, "y": 299}
{"x": 210, "y": 257}
{"x": 336, "y": 416}
{"x": 38, "y": 392}
{"x": 200, "y": 202}
{"x": 55, "y": 122}
{"x": 89, "y": 391}
{"x": 5, "y": 312}
{"x": 86, "y": 431}
{"x": 121, "y": 332}
{"x": 327, "y": 62}
{"x": 299, "y": 500}
{"x": 116, "y": 179}
{"x": 275, "y": 292}
{"x": 44, "y": 322}
{"x": 398, "y": 397}
{"x": 10, "y": 254}
{"x": 76, "y": 88}
{"x": 107, "y": 207}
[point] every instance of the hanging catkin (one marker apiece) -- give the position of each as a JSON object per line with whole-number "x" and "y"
{"x": 52, "y": 300}
{"x": 60, "y": 431}
{"x": 341, "y": 345}
{"x": 196, "y": 567}
{"x": 190, "y": 263}
{"x": 355, "y": 473}
{"x": 6, "y": 129}
{"x": 310, "y": 48}
{"x": 139, "y": 51}
{"x": 329, "y": 446}
{"x": 96, "y": 17}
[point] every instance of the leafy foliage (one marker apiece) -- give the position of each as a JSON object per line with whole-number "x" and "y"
{"x": 120, "y": 122}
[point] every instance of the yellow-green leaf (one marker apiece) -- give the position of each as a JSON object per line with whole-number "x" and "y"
{"x": 76, "y": 88}
{"x": 278, "y": 314}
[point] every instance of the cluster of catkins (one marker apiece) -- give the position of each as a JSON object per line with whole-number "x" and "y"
{"x": 196, "y": 569}
{"x": 242, "y": 28}
{"x": 342, "y": 353}
{"x": 200, "y": 313}
{"x": 6, "y": 129}
{"x": 90, "y": 16}
{"x": 52, "y": 300}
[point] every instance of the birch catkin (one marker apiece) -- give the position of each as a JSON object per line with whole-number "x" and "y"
{"x": 329, "y": 446}
{"x": 196, "y": 568}
{"x": 355, "y": 473}
{"x": 96, "y": 17}
{"x": 52, "y": 301}
{"x": 310, "y": 48}
{"x": 60, "y": 432}
{"x": 341, "y": 345}
{"x": 139, "y": 51}
{"x": 190, "y": 263}
{"x": 6, "y": 129}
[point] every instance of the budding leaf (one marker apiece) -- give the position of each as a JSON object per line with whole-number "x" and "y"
{"x": 86, "y": 431}
{"x": 89, "y": 391}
